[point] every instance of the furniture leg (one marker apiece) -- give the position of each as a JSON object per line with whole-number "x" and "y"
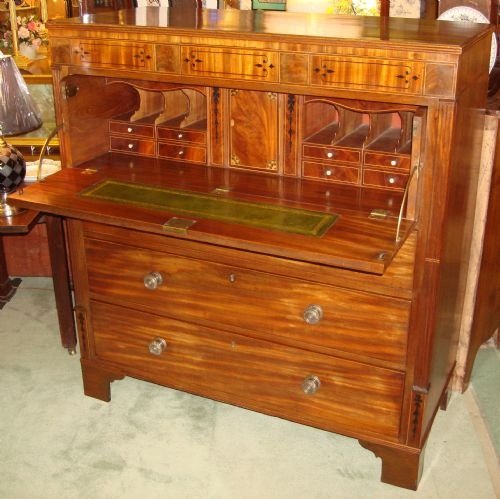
{"x": 445, "y": 399}
{"x": 61, "y": 278}
{"x": 8, "y": 286}
{"x": 97, "y": 381}
{"x": 401, "y": 467}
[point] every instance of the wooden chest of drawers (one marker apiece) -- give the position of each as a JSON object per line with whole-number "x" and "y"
{"x": 272, "y": 210}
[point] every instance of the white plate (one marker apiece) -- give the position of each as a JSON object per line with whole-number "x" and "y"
{"x": 466, "y": 14}
{"x": 49, "y": 166}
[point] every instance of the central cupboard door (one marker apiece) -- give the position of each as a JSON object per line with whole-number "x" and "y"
{"x": 253, "y": 130}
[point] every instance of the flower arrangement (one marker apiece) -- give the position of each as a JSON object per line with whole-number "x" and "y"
{"x": 30, "y": 31}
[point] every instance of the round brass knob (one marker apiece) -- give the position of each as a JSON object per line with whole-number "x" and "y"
{"x": 153, "y": 280}
{"x": 157, "y": 346}
{"x": 311, "y": 384}
{"x": 313, "y": 314}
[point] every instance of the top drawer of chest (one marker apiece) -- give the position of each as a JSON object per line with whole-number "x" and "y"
{"x": 112, "y": 54}
{"x": 288, "y": 310}
{"x": 377, "y": 71}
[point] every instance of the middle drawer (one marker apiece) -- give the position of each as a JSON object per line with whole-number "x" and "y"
{"x": 273, "y": 307}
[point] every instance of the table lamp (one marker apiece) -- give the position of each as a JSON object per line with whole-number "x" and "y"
{"x": 18, "y": 114}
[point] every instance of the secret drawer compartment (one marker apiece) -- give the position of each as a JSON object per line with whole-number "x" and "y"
{"x": 332, "y": 153}
{"x": 287, "y": 310}
{"x": 127, "y": 128}
{"x": 132, "y": 145}
{"x": 331, "y": 172}
{"x": 389, "y": 180}
{"x": 182, "y": 152}
{"x": 182, "y": 135}
{"x": 384, "y": 160}
{"x": 310, "y": 388}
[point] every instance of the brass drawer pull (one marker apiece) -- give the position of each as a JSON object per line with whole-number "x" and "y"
{"x": 153, "y": 280}
{"x": 157, "y": 346}
{"x": 313, "y": 314}
{"x": 311, "y": 384}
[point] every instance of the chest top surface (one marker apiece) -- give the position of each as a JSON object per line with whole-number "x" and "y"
{"x": 394, "y": 58}
{"x": 285, "y": 26}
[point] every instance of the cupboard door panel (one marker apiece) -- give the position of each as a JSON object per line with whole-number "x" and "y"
{"x": 253, "y": 130}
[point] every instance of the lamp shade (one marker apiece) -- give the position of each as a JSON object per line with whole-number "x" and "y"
{"x": 18, "y": 111}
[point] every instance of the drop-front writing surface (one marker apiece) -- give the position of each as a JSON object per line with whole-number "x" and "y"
{"x": 276, "y": 196}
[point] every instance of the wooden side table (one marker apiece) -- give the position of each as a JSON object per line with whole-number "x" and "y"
{"x": 22, "y": 224}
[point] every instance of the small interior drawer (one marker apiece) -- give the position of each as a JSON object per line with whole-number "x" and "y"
{"x": 182, "y": 152}
{"x": 384, "y": 160}
{"x": 332, "y": 172}
{"x": 128, "y": 128}
{"x": 331, "y": 153}
{"x": 181, "y": 135}
{"x": 387, "y": 179}
{"x": 132, "y": 145}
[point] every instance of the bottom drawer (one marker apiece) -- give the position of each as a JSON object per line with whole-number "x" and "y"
{"x": 353, "y": 398}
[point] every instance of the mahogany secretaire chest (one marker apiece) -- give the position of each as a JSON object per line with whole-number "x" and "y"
{"x": 271, "y": 209}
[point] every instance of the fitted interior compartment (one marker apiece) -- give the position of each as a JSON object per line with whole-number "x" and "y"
{"x": 191, "y": 125}
{"x": 390, "y": 132}
{"x": 376, "y": 143}
{"x": 362, "y": 125}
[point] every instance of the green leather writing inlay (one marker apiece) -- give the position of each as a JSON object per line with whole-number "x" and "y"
{"x": 194, "y": 204}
